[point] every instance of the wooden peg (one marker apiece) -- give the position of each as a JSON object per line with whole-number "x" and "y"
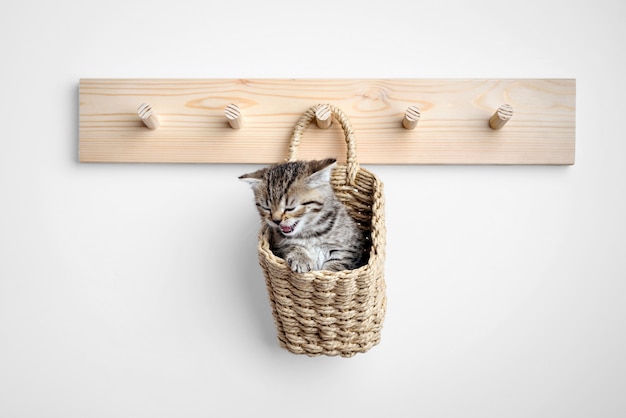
{"x": 323, "y": 116}
{"x": 234, "y": 117}
{"x": 411, "y": 117}
{"x": 501, "y": 117}
{"x": 148, "y": 116}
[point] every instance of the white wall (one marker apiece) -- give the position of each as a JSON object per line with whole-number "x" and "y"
{"x": 134, "y": 290}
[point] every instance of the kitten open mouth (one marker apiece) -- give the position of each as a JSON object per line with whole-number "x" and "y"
{"x": 285, "y": 229}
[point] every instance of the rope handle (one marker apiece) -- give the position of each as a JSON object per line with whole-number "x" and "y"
{"x": 346, "y": 126}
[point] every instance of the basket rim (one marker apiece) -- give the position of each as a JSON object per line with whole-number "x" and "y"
{"x": 372, "y": 264}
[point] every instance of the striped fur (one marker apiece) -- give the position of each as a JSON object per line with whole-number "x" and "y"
{"x": 311, "y": 228}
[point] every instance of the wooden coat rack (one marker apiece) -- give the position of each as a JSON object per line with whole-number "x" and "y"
{"x": 396, "y": 121}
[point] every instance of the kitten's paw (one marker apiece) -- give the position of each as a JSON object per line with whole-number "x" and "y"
{"x": 300, "y": 263}
{"x": 336, "y": 265}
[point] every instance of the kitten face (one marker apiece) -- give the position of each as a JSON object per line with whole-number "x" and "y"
{"x": 291, "y": 212}
{"x": 290, "y": 196}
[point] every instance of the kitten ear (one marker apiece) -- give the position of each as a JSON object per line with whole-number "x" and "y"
{"x": 253, "y": 179}
{"x": 321, "y": 172}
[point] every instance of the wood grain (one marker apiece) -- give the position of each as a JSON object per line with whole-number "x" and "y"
{"x": 453, "y": 126}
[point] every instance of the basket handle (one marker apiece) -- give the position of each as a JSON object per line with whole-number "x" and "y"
{"x": 307, "y": 118}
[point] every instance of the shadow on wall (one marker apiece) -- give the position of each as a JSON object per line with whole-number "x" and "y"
{"x": 250, "y": 283}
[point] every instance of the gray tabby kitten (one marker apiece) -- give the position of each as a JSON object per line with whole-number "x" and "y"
{"x": 310, "y": 228}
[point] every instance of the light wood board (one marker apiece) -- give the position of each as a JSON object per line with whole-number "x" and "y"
{"x": 453, "y": 127}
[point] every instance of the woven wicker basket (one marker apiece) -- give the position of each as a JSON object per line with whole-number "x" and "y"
{"x": 324, "y": 312}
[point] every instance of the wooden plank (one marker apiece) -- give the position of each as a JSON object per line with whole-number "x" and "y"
{"x": 453, "y": 125}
